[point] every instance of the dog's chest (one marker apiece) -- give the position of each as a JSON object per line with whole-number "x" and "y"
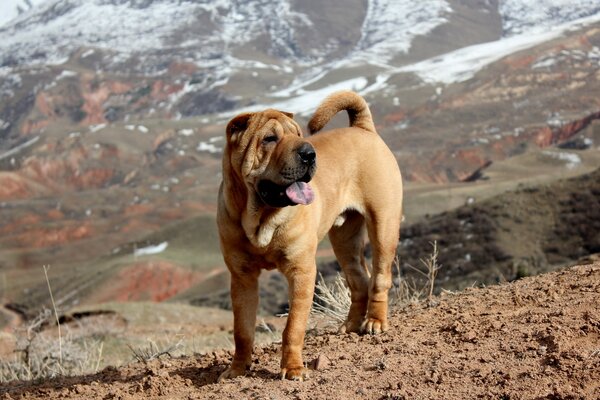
{"x": 268, "y": 260}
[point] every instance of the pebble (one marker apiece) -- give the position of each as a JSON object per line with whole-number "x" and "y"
{"x": 321, "y": 362}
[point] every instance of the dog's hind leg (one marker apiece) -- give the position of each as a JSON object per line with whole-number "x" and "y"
{"x": 348, "y": 242}
{"x": 384, "y": 232}
{"x": 244, "y": 301}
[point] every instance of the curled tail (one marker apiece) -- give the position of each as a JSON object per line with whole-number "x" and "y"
{"x": 357, "y": 108}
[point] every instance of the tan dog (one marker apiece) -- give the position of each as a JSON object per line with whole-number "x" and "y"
{"x": 275, "y": 206}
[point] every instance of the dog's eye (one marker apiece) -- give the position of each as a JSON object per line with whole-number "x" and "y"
{"x": 270, "y": 139}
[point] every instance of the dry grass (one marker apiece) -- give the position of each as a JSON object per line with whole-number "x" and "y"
{"x": 431, "y": 269}
{"x": 155, "y": 350}
{"x": 332, "y": 300}
{"x": 39, "y": 354}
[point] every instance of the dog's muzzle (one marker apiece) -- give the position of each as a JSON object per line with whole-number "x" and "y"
{"x": 294, "y": 188}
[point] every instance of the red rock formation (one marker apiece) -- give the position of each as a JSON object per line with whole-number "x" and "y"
{"x": 547, "y": 136}
{"x": 520, "y": 61}
{"x": 395, "y": 117}
{"x": 12, "y": 186}
{"x": 154, "y": 280}
{"x": 40, "y": 237}
{"x": 55, "y": 214}
{"x": 161, "y": 90}
{"x": 92, "y": 178}
{"x": 30, "y": 126}
{"x": 96, "y": 94}
{"x": 182, "y": 68}
{"x": 162, "y": 138}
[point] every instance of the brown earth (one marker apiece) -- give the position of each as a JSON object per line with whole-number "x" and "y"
{"x": 536, "y": 338}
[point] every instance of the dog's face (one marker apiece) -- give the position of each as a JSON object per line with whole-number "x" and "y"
{"x": 270, "y": 155}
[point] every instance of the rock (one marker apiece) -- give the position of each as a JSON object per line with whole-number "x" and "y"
{"x": 320, "y": 363}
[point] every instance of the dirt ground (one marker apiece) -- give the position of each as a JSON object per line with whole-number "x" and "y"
{"x": 536, "y": 338}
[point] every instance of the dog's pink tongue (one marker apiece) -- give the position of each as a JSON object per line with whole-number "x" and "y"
{"x": 300, "y": 193}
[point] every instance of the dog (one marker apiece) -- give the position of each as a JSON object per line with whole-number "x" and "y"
{"x": 275, "y": 205}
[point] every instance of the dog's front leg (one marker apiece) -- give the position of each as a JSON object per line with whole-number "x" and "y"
{"x": 244, "y": 300}
{"x": 301, "y": 280}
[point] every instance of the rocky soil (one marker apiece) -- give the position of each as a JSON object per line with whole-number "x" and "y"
{"x": 535, "y": 338}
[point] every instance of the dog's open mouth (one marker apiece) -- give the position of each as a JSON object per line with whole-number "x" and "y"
{"x": 300, "y": 193}
{"x": 274, "y": 195}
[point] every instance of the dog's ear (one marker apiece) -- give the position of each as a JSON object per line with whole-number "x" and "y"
{"x": 288, "y": 114}
{"x": 236, "y": 125}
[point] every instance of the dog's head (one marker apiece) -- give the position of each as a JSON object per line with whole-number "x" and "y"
{"x": 267, "y": 151}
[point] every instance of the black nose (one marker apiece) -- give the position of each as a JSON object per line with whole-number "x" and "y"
{"x": 306, "y": 153}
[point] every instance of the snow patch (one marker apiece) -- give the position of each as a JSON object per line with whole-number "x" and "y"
{"x": 463, "y": 64}
{"x": 66, "y": 74}
{"x": 544, "y": 63}
{"x": 571, "y": 160}
{"x": 10, "y": 9}
{"x": 88, "y": 53}
{"x": 306, "y": 101}
{"x": 149, "y": 250}
{"x": 390, "y": 27}
{"x": 523, "y": 16}
{"x": 208, "y": 147}
{"x": 186, "y": 132}
{"x": 96, "y": 128}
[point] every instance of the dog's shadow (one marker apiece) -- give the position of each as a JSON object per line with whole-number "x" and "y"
{"x": 209, "y": 375}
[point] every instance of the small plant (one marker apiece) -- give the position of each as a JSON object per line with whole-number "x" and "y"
{"x": 403, "y": 291}
{"x": 153, "y": 351}
{"x": 431, "y": 269}
{"x": 272, "y": 335}
{"x": 46, "y": 267}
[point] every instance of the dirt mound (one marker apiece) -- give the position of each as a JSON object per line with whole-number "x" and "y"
{"x": 536, "y": 338}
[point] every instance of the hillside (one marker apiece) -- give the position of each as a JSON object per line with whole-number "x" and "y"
{"x": 531, "y": 339}
{"x": 530, "y": 230}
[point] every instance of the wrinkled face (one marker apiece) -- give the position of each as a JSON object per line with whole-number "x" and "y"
{"x": 269, "y": 153}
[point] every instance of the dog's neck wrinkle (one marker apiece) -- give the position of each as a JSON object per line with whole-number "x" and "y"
{"x": 260, "y": 227}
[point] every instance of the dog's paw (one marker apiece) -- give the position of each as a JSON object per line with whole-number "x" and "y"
{"x": 231, "y": 372}
{"x": 295, "y": 374}
{"x": 374, "y": 326}
{"x": 350, "y": 326}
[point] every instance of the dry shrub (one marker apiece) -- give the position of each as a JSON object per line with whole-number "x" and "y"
{"x": 332, "y": 300}
{"x": 40, "y": 355}
{"x": 154, "y": 350}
